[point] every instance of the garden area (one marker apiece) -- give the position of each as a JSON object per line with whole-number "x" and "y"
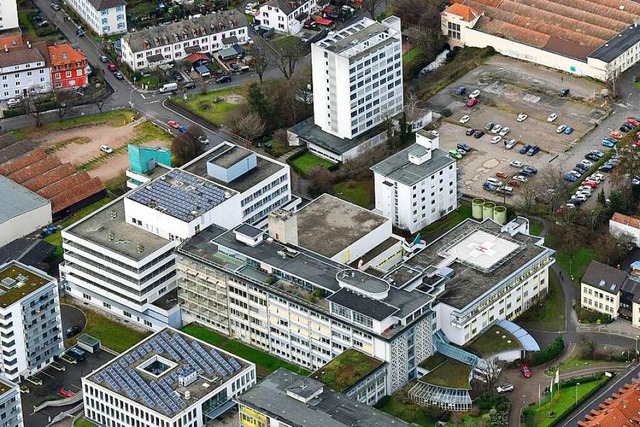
{"x": 561, "y": 402}
{"x": 361, "y": 193}
{"x": 548, "y": 314}
{"x": 215, "y": 107}
{"x": 111, "y": 331}
{"x": 494, "y": 341}
{"x": 265, "y": 363}
{"x": 346, "y": 370}
{"x": 305, "y": 162}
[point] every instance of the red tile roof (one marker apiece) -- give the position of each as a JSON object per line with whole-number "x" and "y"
{"x": 570, "y": 27}
{"x": 626, "y": 220}
{"x": 465, "y": 12}
{"x": 620, "y": 410}
{"x": 13, "y": 165}
{"x": 61, "y": 54}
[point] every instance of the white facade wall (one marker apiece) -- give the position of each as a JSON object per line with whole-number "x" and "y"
{"x": 11, "y": 405}
{"x": 625, "y": 232}
{"x": 273, "y": 17}
{"x": 596, "y": 299}
{"x": 9, "y": 14}
{"x": 354, "y": 93}
{"x": 103, "y": 22}
{"x": 108, "y": 408}
{"x": 364, "y": 245}
{"x": 24, "y": 224}
{"x": 266, "y": 196}
{"x": 508, "y": 306}
{"x": 175, "y": 51}
{"x": 28, "y": 78}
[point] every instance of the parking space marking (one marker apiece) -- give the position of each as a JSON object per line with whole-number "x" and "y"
{"x": 44, "y": 373}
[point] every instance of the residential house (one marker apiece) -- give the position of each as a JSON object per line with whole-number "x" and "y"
{"x": 625, "y": 227}
{"x": 621, "y": 409}
{"x": 24, "y": 70}
{"x": 285, "y": 16}
{"x": 9, "y": 15}
{"x": 68, "y": 67}
{"x": 104, "y": 17}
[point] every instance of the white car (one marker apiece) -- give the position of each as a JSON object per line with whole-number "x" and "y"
{"x": 561, "y": 128}
{"x": 520, "y": 178}
{"x": 599, "y": 176}
{"x": 516, "y": 163}
{"x": 13, "y": 102}
{"x": 580, "y": 197}
{"x": 106, "y": 149}
{"x": 496, "y": 139}
{"x": 585, "y": 189}
{"x": 552, "y": 117}
{"x": 496, "y": 128}
{"x": 203, "y": 140}
{"x": 503, "y": 388}
{"x": 464, "y": 119}
{"x": 474, "y": 94}
{"x": 505, "y": 130}
{"x": 522, "y": 117}
{"x": 587, "y": 163}
{"x": 595, "y": 179}
{"x": 510, "y": 144}
{"x": 583, "y": 193}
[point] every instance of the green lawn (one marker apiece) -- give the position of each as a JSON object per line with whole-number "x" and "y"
{"x": 562, "y": 403}
{"x": 444, "y": 224}
{"x": 359, "y": 192}
{"x": 535, "y": 228}
{"x": 411, "y": 55}
{"x": 82, "y": 422}
{"x": 637, "y": 85}
{"x": 451, "y": 373}
{"x": 308, "y": 161}
{"x": 113, "y": 334}
{"x": 548, "y": 314}
{"x": 346, "y": 369}
{"x": 577, "y": 264}
{"x": 115, "y": 118}
{"x": 205, "y": 105}
{"x": 265, "y": 363}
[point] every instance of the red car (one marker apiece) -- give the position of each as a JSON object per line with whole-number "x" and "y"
{"x": 472, "y": 102}
{"x": 501, "y": 174}
{"x": 591, "y": 184}
{"x": 525, "y": 370}
{"x": 515, "y": 183}
{"x": 66, "y": 392}
{"x": 633, "y": 122}
{"x": 616, "y": 135}
{"x": 173, "y": 124}
{"x": 112, "y": 67}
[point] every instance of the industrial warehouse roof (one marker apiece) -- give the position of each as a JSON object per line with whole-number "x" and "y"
{"x": 399, "y": 168}
{"x": 151, "y": 373}
{"x": 573, "y": 29}
{"x": 273, "y": 397}
{"x": 17, "y": 200}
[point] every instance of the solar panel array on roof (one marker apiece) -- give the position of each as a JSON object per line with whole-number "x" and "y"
{"x": 180, "y": 195}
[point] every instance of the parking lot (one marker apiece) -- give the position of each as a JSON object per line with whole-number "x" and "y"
{"x": 507, "y": 88}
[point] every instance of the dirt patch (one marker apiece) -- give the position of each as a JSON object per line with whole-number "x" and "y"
{"x": 80, "y": 145}
{"x": 235, "y": 99}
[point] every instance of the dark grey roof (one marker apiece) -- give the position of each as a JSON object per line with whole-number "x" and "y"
{"x": 25, "y": 54}
{"x": 249, "y": 230}
{"x": 309, "y": 132}
{"x": 17, "y": 200}
{"x": 618, "y": 45}
{"x": 604, "y": 277}
{"x": 328, "y": 409}
{"x": 399, "y": 168}
{"x": 286, "y": 6}
{"x": 27, "y": 251}
{"x": 106, "y": 4}
{"x": 375, "y": 309}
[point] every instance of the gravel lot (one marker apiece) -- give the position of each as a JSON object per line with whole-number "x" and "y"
{"x": 509, "y": 87}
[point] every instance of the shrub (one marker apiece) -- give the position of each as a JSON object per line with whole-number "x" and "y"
{"x": 447, "y": 112}
{"x": 12, "y": 112}
{"x": 550, "y": 352}
{"x": 204, "y": 105}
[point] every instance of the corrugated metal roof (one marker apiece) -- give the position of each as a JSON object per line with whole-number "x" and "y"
{"x": 17, "y": 200}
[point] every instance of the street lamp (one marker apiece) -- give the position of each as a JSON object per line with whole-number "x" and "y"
{"x": 628, "y": 97}
{"x": 577, "y": 384}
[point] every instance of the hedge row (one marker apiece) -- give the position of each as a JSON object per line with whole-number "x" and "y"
{"x": 550, "y": 352}
{"x": 12, "y": 112}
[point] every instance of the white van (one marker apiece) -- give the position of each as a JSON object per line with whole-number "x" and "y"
{"x": 169, "y": 87}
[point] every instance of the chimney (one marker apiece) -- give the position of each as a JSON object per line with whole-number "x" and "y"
{"x": 283, "y": 226}
{"x": 6, "y": 49}
{"x": 29, "y": 44}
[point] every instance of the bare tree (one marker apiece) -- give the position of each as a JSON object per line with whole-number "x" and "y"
{"x": 101, "y": 102}
{"x": 250, "y": 126}
{"x": 260, "y": 61}
{"x": 491, "y": 371}
{"x": 290, "y": 51}
{"x": 528, "y": 198}
{"x": 183, "y": 149}
{"x": 35, "y": 106}
{"x": 64, "y": 100}
{"x": 371, "y": 6}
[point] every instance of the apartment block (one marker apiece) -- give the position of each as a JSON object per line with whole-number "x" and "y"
{"x": 104, "y": 17}
{"x": 10, "y": 404}
{"x": 24, "y": 70}
{"x": 9, "y": 15}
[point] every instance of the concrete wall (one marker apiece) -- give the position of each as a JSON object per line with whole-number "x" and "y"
{"x": 596, "y": 299}
{"x": 25, "y": 224}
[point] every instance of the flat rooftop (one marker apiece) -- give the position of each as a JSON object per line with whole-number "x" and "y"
{"x": 17, "y": 281}
{"x": 181, "y": 195}
{"x": 226, "y": 156}
{"x": 264, "y": 169}
{"x": 272, "y": 396}
{"x": 573, "y": 29}
{"x": 495, "y": 340}
{"x": 328, "y": 225}
{"x": 358, "y": 38}
{"x": 447, "y": 372}
{"x": 346, "y": 370}
{"x": 17, "y": 200}
{"x": 108, "y": 228}
{"x": 476, "y": 269}
{"x": 158, "y": 371}
{"x": 398, "y": 167}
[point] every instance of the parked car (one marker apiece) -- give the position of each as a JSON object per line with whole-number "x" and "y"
{"x": 104, "y": 59}
{"x": 464, "y": 119}
{"x": 478, "y": 134}
{"x": 80, "y": 32}
{"x": 520, "y": 178}
{"x": 489, "y": 126}
{"x": 72, "y": 331}
{"x": 530, "y": 169}
{"x": 561, "y": 128}
{"x": 591, "y": 184}
{"x": 489, "y": 187}
{"x": 608, "y": 143}
{"x": 533, "y": 151}
{"x": 173, "y": 124}
{"x": 177, "y": 77}
{"x": 223, "y": 79}
{"x": 472, "y": 102}
{"x": 474, "y": 94}
{"x": 496, "y": 139}
{"x": 633, "y": 122}
{"x": 587, "y": 163}
{"x": 524, "y": 149}
{"x": 455, "y": 154}
{"x": 501, "y": 175}
{"x": 55, "y": 7}
{"x": 524, "y": 368}
{"x": 616, "y": 135}
{"x": 77, "y": 354}
{"x": 469, "y": 131}
{"x": 591, "y": 156}
{"x": 112, "y": 67}
{"x": 461, "y": 90}
{"x": 189, "y": 85}
{"x": 13, "y": 102}
{"x": 570, "y": 177}
{"x": 510, "y": 144}
{"x": 503, "y": 388}
{"x": 505, "y": 130}
{"x": 118, "y": 75}
{"x": 564, "y": 92}
{"x": 552, "y": 117}
{"x": 65, "y": 392}
{"x": 465, "y": 147}
{"x": 522, "y": 117}
{"x": 496, "y": 128}
{"x": 625, "y": 128}
{"x": 516, "y": 163}
{"x": 461, "y": 152}
{"x": 598, "y": 153}
{"x": 106, "y": 149}
{"x": 203, "y": 140}
{"x": 515, "y": 183}
{"x": 568, "y": 130}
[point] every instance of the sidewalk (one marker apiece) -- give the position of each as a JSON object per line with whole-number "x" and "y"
{"x": 618, "y": 327}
